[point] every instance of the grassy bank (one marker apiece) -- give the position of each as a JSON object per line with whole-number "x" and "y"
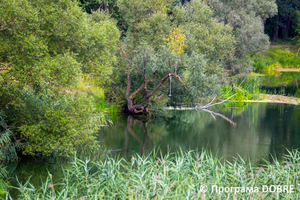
{"x": 175, "y": 176}
{"x": 282, "y": 54}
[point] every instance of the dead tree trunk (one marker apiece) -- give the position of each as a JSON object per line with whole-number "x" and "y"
{"x": 143, "y": 107}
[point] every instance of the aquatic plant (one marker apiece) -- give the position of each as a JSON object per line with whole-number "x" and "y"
{"x": 188, "y": 175}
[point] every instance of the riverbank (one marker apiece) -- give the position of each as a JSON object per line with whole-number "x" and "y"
{"x": 279, "y": 99}
{"x": 263, "y": 98}
{"x": 268, "y": 98}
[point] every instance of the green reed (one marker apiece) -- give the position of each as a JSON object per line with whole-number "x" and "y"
{"x": 182, "y": 175}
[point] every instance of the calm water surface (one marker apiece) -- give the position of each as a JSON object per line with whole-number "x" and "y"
{"x": 262, "y": 130}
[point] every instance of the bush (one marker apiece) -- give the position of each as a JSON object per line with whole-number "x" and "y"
{"x": 46, "y": 49}
{"x": 60, "y": 124}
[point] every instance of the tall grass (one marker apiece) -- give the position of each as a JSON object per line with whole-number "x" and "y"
{"x": 246, "y": 88}
{"x": 183, "y": 175}
{"x": 89, "y": 86}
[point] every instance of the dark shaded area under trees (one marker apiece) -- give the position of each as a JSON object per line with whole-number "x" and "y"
{"x": 284, "y": 24}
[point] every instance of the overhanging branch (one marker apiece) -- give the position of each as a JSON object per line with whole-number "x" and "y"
{"x": 161, "y": 84}
{"x": 220, "y": 115}
{"x": 142, "y": 86}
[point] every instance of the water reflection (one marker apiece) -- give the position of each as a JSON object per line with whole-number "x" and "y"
{"x": 131, "y": 122}
{"x": 262, "y": 130}
{"x": 286, "y": 83}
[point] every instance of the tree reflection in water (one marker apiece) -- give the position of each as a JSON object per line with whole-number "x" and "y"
{"x": 128, "y": 129}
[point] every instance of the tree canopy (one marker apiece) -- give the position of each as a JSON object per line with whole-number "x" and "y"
{"x": 147, "y": 59}
{"x": 56, "y": 55}
{"x": 46, "y": 49}
{"x": 246, "y": 19}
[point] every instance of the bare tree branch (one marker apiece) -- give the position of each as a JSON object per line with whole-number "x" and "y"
{"x": 220, "y": 115}
{"x": 213, "y": 116}
{"x": 142, "y": 86}
{"x": 211, "y": 101}
{"x": 159, "y": 96}
{"x": 214, "y": 113}
{"x": 143, "y": 107}
{"x": 242, "y": 81}
{"x": 210, "y": 105}
{"x": 161, "y": 84}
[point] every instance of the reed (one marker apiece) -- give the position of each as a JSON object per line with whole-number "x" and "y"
{"x": 182, "y": 175}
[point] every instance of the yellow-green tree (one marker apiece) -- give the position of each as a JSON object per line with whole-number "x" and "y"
{"x": 176, "y": 41}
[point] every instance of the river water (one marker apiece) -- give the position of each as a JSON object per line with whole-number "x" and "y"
{"x": 262, "y": 130}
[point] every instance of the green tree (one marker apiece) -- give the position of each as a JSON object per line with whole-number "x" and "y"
{"x": 46, "y": 49}
{"x": 147, "y": 61}
{"x": 106, "y": 5}
{"x": 246, "y": 18}
{"x": 285, "y": 22}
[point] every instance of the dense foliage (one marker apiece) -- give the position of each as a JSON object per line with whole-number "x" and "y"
{"x": 46, "y": 50}
{"x": 246, "y": 19}
{"x": 55, "y": 55}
